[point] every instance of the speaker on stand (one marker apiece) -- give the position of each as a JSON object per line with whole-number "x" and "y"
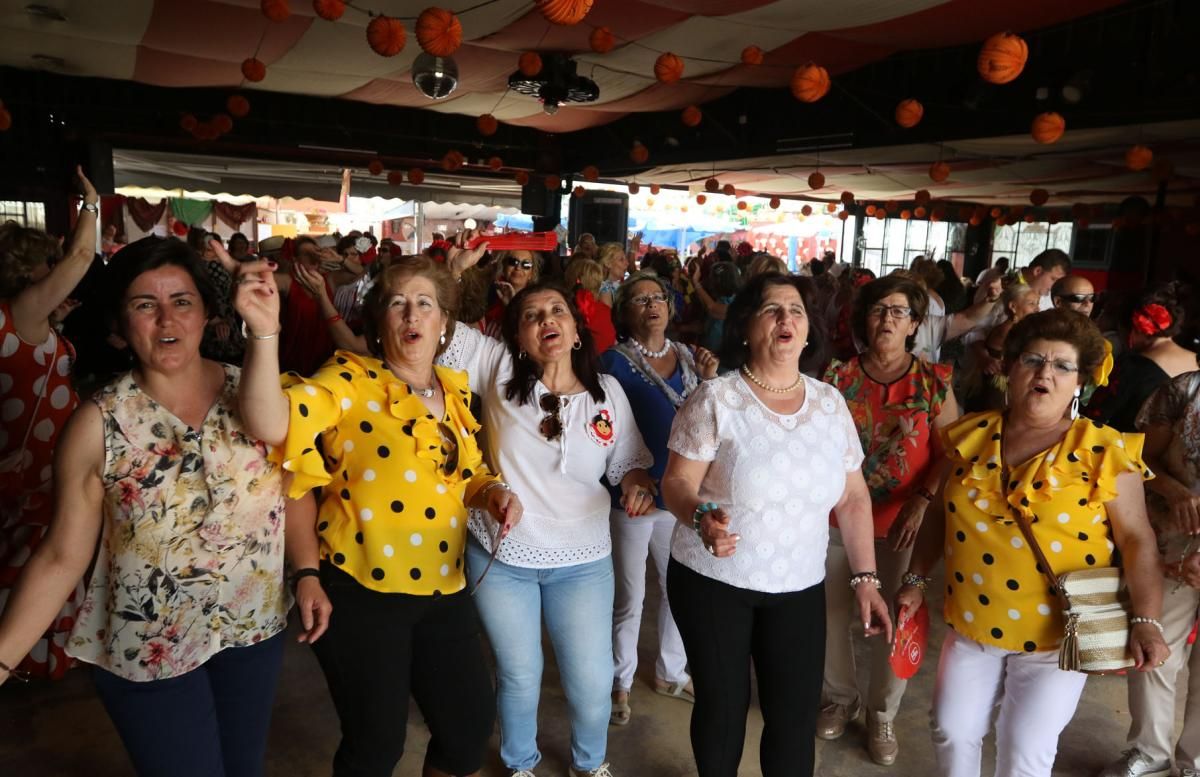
{"x": 603, "y": 214}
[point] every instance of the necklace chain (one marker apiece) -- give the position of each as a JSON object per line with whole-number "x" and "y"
{"x": 754, "y": 379}
{"x": 424, "y": 393}
{"x": 647, "y": 352}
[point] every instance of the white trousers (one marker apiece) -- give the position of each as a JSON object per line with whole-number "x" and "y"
{"x": 1037, "y": 700}
{"x": 633, "y": 539}
{"x": 844, "y": 627}
{"x": 1152, "y": 694}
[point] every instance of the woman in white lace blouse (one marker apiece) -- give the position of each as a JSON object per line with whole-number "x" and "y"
{"x": 759, "y": 457}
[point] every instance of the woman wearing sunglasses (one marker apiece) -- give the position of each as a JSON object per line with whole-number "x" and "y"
{"x": 555, "y": 427}
{"x": 1034, "y": 471}
{"x": 390, "y": 440}
{"x": 514, "y": 271}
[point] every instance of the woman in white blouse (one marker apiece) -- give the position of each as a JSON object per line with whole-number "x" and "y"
{"x": 759, "y": 457}
{"x": 555, "y": 426}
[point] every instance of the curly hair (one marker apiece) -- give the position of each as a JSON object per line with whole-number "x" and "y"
{"x": 527, "y": 372}
{"x": 22, "y": 251}
{"x": 375, "y": 303}
{"x": 734, "y": 351}
{"x": 1058, "y": 325}
{"x": 871, "y": 293}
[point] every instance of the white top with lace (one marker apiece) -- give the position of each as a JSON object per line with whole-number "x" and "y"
{"x": 776, "y": 476}
{"x": 566, "y": 505}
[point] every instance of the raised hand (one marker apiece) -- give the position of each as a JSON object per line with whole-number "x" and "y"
{"x": 257, "y": 297}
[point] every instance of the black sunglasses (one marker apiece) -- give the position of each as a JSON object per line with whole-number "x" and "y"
{"x": 1078, "y": 299}
{"x": 524, "y": 264}
{"x": 551, "y": 426}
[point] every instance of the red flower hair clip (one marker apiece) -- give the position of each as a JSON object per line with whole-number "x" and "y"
{"x": 1151, "y": 320}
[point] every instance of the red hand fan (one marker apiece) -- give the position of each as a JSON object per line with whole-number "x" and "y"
{"x": 910, "y": 644}
{"x": 517, "y": 241}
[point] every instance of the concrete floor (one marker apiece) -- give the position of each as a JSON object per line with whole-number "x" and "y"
{"x": 61, "y": 730}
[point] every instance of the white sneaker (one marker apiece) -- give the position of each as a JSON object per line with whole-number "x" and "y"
{"x": 1134, "y": 763}
{"x": 1186, "y": 772}
{"x": 599, "y": 771}
{"x": 522, "y": 773}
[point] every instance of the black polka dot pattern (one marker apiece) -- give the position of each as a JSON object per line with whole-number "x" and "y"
{"x": 377, "y": 574}
{"x": 1030, "y": 646}
{"x": 997, "y": 633}
{"x": 397, "y": 506}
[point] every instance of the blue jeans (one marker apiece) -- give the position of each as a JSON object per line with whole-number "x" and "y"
{"x": 577, "y": 602}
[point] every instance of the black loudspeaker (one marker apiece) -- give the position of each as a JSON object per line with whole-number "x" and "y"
{"x": 604, "y": 214}
{"x": 540, "y": 202}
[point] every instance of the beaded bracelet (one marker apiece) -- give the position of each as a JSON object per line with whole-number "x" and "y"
{"x": 1138, "y": 619}
{"x": 698, "y": 514}
{"x": 913, "y": 579}
{"x": 865, "y": 577}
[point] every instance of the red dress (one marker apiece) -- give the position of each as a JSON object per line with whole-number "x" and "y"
{"x": 26, "y": 497}
{"x": 304, "y": 342}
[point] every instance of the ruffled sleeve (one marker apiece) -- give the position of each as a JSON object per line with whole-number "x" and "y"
{"x": 317, "y": 404}
{"x": 694, "y": 433}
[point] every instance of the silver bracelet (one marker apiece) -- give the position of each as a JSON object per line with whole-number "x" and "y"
{"x": 247, "y": 333}
{"x": 483, "y": 492}
{"x": 865, "y": 577}
{"x": 1153, "y": 622}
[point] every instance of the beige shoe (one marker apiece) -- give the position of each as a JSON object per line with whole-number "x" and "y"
{"x": 881, "y": 741}
{"x": 832, "y": 720}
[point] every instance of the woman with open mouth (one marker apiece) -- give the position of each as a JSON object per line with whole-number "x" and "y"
{"x": 514, "y": 271}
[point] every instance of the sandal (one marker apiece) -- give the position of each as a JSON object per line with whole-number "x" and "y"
{"x": 621, "y": 713}
{"x": 676, "y": 690}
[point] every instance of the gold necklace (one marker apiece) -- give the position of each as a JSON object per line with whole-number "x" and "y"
{"x": 754, "y": 379}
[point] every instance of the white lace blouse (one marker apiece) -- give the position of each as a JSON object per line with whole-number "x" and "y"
{"x": 776, "y": 476}
{"x": 566, "y": 506}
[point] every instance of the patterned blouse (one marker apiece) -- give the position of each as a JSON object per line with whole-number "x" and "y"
{"x": 191, "y": 549}
{"x": 894, "y": 422}
{"x": 995, "y": 594}
{"x": 1176, "y": 405}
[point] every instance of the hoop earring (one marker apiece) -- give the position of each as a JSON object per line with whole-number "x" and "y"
{"x": 578, "y": 344}
{"x": 521, "y": 355}
{"x": 1075, "y": 404}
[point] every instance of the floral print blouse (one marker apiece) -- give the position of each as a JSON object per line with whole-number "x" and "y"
{"x": 191, "y": 548}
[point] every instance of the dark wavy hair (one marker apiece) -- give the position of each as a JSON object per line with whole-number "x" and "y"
{"x": 871, "y": 293}
{"x": 734, "y": 352}
{"x": 527, "y": 372}
{"x": 1168, "y": 296}
{"x": 1061, "y": 325}
{"x": 152, "y": 253}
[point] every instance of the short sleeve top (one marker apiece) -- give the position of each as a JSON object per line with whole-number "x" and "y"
{"x": 895, "y": 427}
{"x": 393, "y": 508}
{"x": 776, "y": 476}
{"x": 191, "y": 545}
{"x": 1176, "y": 404}
{"x": 995, "y": 594}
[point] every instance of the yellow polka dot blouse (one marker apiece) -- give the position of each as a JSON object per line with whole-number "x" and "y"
{"x": 392, "y": 509}
{"x": 995, "y": 593}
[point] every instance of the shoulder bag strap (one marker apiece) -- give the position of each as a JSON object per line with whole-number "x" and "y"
{"x": 1027, "y": 531}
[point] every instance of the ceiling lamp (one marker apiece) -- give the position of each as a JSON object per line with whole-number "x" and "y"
{"x": 555, "y": 84}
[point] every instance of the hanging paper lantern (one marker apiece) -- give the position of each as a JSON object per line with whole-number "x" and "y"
{"x": 238, "y": 106}
{"x": 668, "y": 68}
{"x": 891, "y": 206}
{"x": 831, "y": 207}
{"x": 254, "y": 69}
{"x": 375, "y": 167}
{"x": 691, "y": 116}
{"x": 495, "y": 163}
{"x": 655, "y": 188}
{"x": 810, "y": 83}
{"x": 634, "y": 187}
{"x": 742, "y": 205}
{"x": 591, "y": 173}
{"x": 223, "y": 122}
{"x": 275, "y": 10}
{"x": 187, "y": 122}
{"x": 906, "y": 214}
{"x": 909, "y": 113}
{"x": 1039, "y": 197}
{"x": 639, "y": 153}
{"x": 329, "y": 10}
{"x": 847, "y": 198}
{"x": 522, "y": 178}
{"x": 395, "y": 177}
{"x": 752, "y": 55}
{"x": 844, "y": 215}
{"x": 728, "y": 189}
{"x": 1002, "y": 58}
{"x": 1028, "y": 218}
{"x": 601, "y": 40}
{"x": 1138, "y": 158}
{"x": 530, "y": 64}
{"x": 564, "y": 11}
{"x": 870, "y": 210}
{"x": 453, "y": 160}
{"x": 806, "y": 210}
{"x": 976, "y": 221}
{"x": 206, "y": 130}
{"x": 552, "y": 182}
{"x": 996, "y": 213}
{"x": 1048, "y": 127}
{"x": 416, "y": 176}
{"x": 439, "y": 32}
{"x": 880, "y": 214}
{"x": 487, "y": 125}
{"x": 816, "y": 180}
{"x": 712, "y": 185}
{"x": 922, "y": 196}
{"x": 774, "y": 203}
{"x": 578, "y": 191}
{"x": 701, "y": 199}
{"x": 939, "y": 172}
{"x": 920, "y": 212}
{"x": 386, "y": 36}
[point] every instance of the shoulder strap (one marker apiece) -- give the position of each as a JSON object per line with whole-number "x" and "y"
{"x": 1027, "y": 531}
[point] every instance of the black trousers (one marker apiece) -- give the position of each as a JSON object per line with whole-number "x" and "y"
{"x": 379, "y": 649}
{"x": 723, "y": 628}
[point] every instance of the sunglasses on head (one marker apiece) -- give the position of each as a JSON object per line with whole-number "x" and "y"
{"x": 551, "y": 426}
{"x": 449, "y": 449}
{"x": 524, "y": 264}
{"x": 1078, "y": 299}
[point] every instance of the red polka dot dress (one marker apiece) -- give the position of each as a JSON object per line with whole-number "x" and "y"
{"x": 26, "y": 498}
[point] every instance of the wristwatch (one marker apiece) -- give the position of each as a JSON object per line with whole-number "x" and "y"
{"x": 91, "y": 207}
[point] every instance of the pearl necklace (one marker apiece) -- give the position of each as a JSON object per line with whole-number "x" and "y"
{"x": 647, "y": 352}
{"x": 754, "y": 379}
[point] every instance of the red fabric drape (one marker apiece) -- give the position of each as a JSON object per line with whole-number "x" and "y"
{"x": 234, "y": 215}
{"x": 143, "y": 213}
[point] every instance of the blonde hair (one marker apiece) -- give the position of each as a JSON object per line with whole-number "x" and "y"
{"x": 607, "y": 252}
{"x": 766, "y": 263}
{"x": 502, "y": 256}
{"x": 586, "y": 272}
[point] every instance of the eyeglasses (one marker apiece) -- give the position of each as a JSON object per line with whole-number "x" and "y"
{"x": 646, "y": 300}
{"x": 1078, "y": 299}
{"x": 898, "y": 312}
{"x": 449, "y": 449}
{"x": 524, "y": 264}
{"x": 551, "y": 426}
{"x": 1034, "y": 362}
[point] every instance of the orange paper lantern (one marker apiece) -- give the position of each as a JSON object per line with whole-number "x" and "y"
{"x": 329, "y": 10}
{"x": 495, "y": 163}
{"x": 453, "y": 160}
{"x": 806, "y": 210}
{"x": 810, "y": 83}
{"x": 844, "y": 215}
{"x": 1048, "y": 127}
{"x": 386, "y": 36}
{"x": 552, "y": 182}
{"x": 1138, "y": 158}
{"x": 591, "y": 173}
{"x": 395, "y": 177}
{"x": 188, "y": 122}
{"x": 1039, "y": 197}
{"x": 996, "y": 213}
{"x": 668, "y": 68}
{"x": 922, "y": 196}
{"x": 564, "y": 11}
{"x": 976, "y": 221}
{"x": 439, "y": 32}
{"x": 816, "y": 180}
{"x": 223, "y": 122}
{"x": 1028, "y": 218}
{"x": 728, "y": 189}
{"x": 871, "y": 210}
{"x": 1002, "y": 58}
{"x": 774, "y": 203}
{"x": 920, "y": 212}
{"x": 275, "y": 10}
{"x": 939, "y": 171}
{"x": 655, "y": 188}
{"x": 634, "y": 187}
{"x": 522, "y": 178}
{"x": 416, "y": 176}
{"x": 909, "y": 113}
{"x": 741, "y": 205}
{"x": 254, "y": 69}
{"x": 206, "y": 130}
{"x": 487, "y": 125}
{"x": 906, "y": 214}
{"x": 752, "y": 55}
{"x": 375, "y": 167}
{"x": 530, "y": 64}
{"x": 601, "y": 40}
{"x": 712, "y": 185}
{"x": 880, "y": 214}
{"x": 847, "y": 198}
{"x": 701, "y": 199}
{"x": 691, "y": 116}
{"x": 578, "y": 191}
{"x": 639, "y": 153}
{"x": 831, "y": 207}
{"x": 238, "y": 106}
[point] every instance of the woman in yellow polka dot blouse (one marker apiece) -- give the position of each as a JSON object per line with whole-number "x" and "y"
{"x": 391, "y": 442}
{"x": 1079, "y": 486}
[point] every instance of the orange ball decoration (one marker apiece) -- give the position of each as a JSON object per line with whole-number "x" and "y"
{"x": 939, "y": 171}
{"x": 254, "y": 69}
{"x": 329, "y": 10}
{"x": 206, "y": 130}
{"x": 976, "y": 221}
{"x": 601, "y": 40}
{"x": 487, "y": 125}
{"x": 870, "y": 210}
{"x": 223, "y": 122}
{"x": 691, "y": 116}
{"x": 530, "y": 64}
{"x": 1039, "y": 197}
{"x": 238, "y": 106}
{"x": 881, "y": 214}
{"x": 668, "y": 68}
{"x": 386, "y": 36}
{"x": 922, "y": 196}
{"x": 375, "y": 167}
{"x": 564, "y": 12}
{"x": 439, "y": 32}
{"x": 1048, "y": 127}
{"x": 1138, "y": 158}
{"x": 906, "y": 214}
{"x": 1002, "y": 58}
{"x": 655, "y": 188}
{"x": 847, "y": 198}
{"x": 634, "y": 187}
{"x": 831, "y": 207}
{"x": 920, "y": 212}
{"x": 712, "y": 185}
{"x": 522, "y": 178}
{"x": 416, "y": 176}
{"x": 844, "y": 215}
{"x": 275, "y": 10}
{"x": 806, "y": 210}
{"x": 495, "y": 163}
{"x": 395, "y": 177}
{"x": 774, "y": 203}
{"x": 810, "y": 83}
{"x": 639, "y": 153}
{"x": 552, "y": 182}
{"x": 578, "y": 191}
{"x": 591, "y": 173}
{"x": 742, "y": 205}
{"x": 453, "y": 160}
{"x": 752, "y": 55}
{"x": 816, "y": 180}
{"x": 701, "y": 199}
{"x": 728, "y": 189}
{"x": 187, "y": 122}
{"x": 996, "y": 213}
{"x": 909, "y": 113}
{"x": 1028, "y": 218}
